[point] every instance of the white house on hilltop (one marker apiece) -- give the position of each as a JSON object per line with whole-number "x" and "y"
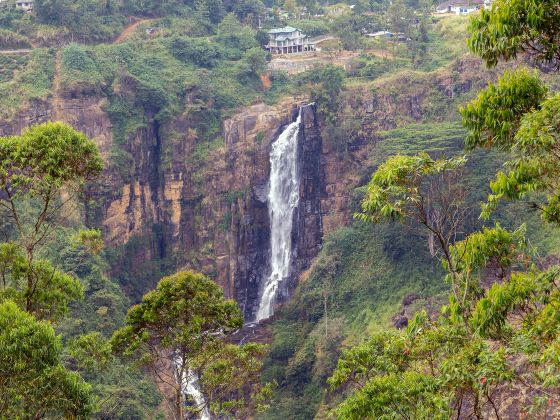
{"x": 461, "y": 7}
{"x": 288, "y": 40}
{"x": 24, "y": 4}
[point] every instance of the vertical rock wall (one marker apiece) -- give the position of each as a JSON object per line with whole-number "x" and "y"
{"x": 308, "y": 231}
{"x": 249, "y": 236}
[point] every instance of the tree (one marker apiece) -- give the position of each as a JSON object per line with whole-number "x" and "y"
{"x": 312, "y": 6}
{"x": 195, "y": 50}
{"x": 262, "y": 38}
{"x": 332, "y": 48}
{"x": 178, "y": 332}
{"x": 423, "y": 190}
{"x": 85, "y": 18}
{"x": 291, "y": 7}
{"x": 513, "y": 26}
{"x": 399, "y": 16}
{"x": 436, "y": 369}
{"x": 231, "y": 378}
{"x": 235, "y": 37}
{"x": 326, "y": 93}
{"x": 515, "y": 114}
{"x": 213, "y": 10}
{"x": 33, "y": 382}
{"x": 46, "y": 166}
{"x": 249, "y": 11}
{"x": 255, "y": 60}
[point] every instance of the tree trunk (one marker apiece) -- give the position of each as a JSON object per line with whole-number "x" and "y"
{"x": 179, "y": 415}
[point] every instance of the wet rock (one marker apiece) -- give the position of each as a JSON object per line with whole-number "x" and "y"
{"x": 400, "y": 322}
{"x": 410, "y": 298}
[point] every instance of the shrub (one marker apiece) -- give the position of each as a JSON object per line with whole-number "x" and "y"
{"x": 196, "y": 51}
{"x": 12, "y": 40}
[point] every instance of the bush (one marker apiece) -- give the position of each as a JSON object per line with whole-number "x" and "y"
{"x": 10, "y": 64}
{"x": 12, "y": 40}
{"x": 32, "y": 80}
{"x": 196, "y": 51}
{"x": 76, "y": 57}
{"x": 79, "y": 72}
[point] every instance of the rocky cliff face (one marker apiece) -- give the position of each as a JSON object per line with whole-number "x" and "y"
{"x": 169, "y": 199}
{"x": 308, "y": 231}
{"x": 167, "y": 195}
{"x": 243, "y": 262}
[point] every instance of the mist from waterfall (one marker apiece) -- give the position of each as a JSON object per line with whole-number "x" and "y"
{"x": 283, "y": 198}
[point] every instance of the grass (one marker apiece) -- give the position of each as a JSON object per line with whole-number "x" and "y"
{"x": 32, "y": 80}
{"x": 10, "y": 64}
{"x": 447, "y": 43}
{"x": 10, "y": 40}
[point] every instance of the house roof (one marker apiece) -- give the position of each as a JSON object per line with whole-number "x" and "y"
{"x": 284, "y": 30}
{"x": 380, "y": 33}
{"x": 459, "y": 3}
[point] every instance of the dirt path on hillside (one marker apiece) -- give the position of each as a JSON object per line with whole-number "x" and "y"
{"x": 57, "y": 100}
{"x": 129, "y": 30}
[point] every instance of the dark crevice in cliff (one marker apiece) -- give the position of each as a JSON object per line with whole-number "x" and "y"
{"x": 157, "y": 182}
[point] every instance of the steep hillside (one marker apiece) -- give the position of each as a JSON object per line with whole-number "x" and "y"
{"x": 185, "y": 115}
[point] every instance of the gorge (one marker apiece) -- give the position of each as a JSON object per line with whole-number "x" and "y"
{"x": 180, "y": 201}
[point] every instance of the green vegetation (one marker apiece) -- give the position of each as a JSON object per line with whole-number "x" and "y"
{"x": 202, "y": 62}
{"x": 91, "y": 21}
{"x": 326, "y": 91}
{"x": 169, "y": 75}
{"x": 34, "y": 168}
{"x": 10, "y": 64}
{"x": 48, "y": 265}
{"x": 469, "y": 356}
{"x": 510, "y": 28}
{"x": 367, "y": 271}
{"x": 12, "y": 41}
{"x": 362, "y": 273}
{"x": 360, "y": 277}
{"x": 185, "y": 323}
{"x": 33, "y": 379}
{"x": 32, "y": 79}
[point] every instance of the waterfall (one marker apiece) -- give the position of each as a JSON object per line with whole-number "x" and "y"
{"x": 194, "y": 391}
{"x": 191, "y": 388}
{"x": 283, "y": 198}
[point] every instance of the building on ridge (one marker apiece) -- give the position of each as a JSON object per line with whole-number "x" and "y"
{"x": 462, "y": 7}
{"x": 24, "y": 4}
{"x": 288, "y": 40}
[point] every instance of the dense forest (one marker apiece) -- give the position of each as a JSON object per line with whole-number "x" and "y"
{"x": 413, "y": 153}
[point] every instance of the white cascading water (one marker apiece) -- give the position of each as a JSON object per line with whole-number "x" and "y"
{"x": 194, "y": 391}
{"x": 283, "y": 198}
{"x": 190, "y": 381}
